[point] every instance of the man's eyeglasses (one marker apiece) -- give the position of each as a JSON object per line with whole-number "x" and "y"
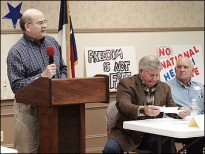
{"x": 41, "y": 23}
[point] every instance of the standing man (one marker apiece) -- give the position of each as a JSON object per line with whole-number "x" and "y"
{"x": 183, "y": 90}
{"x": 139, "y": 97}
{"x": 27, "y": 60}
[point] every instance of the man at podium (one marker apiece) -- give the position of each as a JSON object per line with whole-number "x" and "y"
{"x": 34, "y": 55}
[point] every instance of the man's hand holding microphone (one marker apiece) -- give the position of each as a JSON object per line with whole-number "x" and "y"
{"x": 49, "y": 71}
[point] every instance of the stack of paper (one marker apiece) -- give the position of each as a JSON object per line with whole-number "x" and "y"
{"x": 169, "y": 109}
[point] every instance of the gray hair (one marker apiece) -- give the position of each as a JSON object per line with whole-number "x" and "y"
{"x": 187, "y": 59}
{"x": 149, "y": 62}
{"x": 24, "y": 19}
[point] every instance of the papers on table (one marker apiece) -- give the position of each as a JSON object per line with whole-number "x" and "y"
{"x": 169, "y": 109}
{"x": 194, "y": 121}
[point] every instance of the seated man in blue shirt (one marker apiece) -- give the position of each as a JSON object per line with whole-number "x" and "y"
{"x": 183, "y": 90}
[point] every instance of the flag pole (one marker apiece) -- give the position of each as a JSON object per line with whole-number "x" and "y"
{"x": 68, "y": 44}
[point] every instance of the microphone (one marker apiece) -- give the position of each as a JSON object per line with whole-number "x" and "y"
{"x": 50, "y": 52}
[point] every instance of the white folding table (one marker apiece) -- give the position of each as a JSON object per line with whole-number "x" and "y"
{"x": 174, "y": 128}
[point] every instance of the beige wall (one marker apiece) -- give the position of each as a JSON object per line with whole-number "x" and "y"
{"x": 117, "y": 14}
{"x": 137, "y": 14}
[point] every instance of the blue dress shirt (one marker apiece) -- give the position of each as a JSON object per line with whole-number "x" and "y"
{"x": 182, "y": 94}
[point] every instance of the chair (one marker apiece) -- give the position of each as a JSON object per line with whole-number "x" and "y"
{"x": 111, "y": 114}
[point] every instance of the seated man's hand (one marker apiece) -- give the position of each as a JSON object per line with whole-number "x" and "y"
{"x": 184, "y": 112}
{"x": 152, "y": 110}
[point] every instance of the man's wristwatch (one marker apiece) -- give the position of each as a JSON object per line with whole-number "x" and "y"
{"x": 140, "y": 112}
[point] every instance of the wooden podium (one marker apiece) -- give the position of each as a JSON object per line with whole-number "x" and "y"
{"x": 61, "y": 104}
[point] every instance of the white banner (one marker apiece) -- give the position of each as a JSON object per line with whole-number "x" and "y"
{"x": 168, "y": 54}
{"x": 116, "y": 62}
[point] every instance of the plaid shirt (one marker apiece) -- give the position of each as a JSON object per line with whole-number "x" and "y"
{"x": 27, "y": 59}
{"x": 149, "y": 93}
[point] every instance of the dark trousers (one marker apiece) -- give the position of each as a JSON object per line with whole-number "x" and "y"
{"x": 197, "y": 147}
{"x": 149, "y": 142}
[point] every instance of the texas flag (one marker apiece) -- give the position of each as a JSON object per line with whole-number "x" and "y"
{"x": 66, "y": 38}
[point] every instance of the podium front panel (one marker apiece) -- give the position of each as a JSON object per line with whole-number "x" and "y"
{"x": 79, "y": 90}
